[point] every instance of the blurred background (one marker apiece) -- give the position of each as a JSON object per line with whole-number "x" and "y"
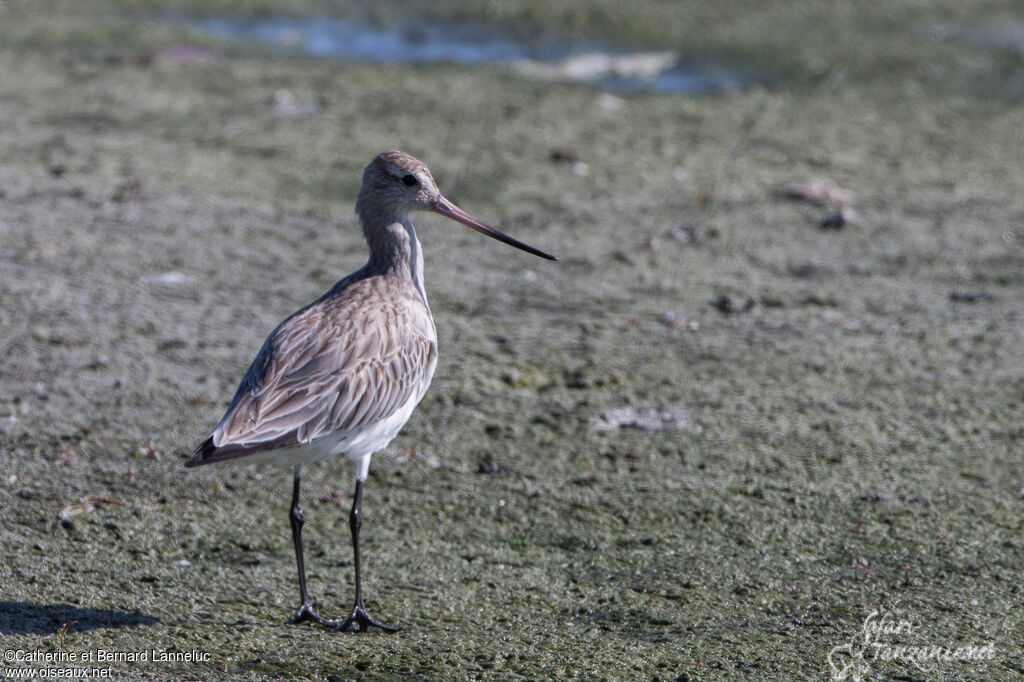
{"x": 773, "y": 383}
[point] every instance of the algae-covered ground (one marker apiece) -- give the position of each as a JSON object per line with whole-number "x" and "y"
{"x": 714, "y": 441}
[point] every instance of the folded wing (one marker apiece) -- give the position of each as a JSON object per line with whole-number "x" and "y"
{"x": 327, "y": 368}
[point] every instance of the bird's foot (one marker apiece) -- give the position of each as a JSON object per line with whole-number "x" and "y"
{"x": 365, "y": 621}
{"x": 306, "y": 612}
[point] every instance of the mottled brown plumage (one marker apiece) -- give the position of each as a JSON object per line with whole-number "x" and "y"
{"x": 352, "y": 358}
{"x": 343, "y": 374}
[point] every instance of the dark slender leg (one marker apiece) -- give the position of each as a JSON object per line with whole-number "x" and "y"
{"x": 359, "y": 616}
{"x": 305, "y": 610}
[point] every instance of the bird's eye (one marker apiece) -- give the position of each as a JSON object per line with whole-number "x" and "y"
{"x": 410, "y": 180}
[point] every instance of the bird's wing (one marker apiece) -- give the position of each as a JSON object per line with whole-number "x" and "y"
{"x": 330, "y": 367}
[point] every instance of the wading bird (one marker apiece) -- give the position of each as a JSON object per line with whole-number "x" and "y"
{"x": 343, "y": 374}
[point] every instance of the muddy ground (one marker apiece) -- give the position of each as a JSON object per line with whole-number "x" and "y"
{"x": 826, "y": 422}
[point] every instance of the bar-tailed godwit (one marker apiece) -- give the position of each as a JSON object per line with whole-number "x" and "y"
{"x": 343, "y": 374}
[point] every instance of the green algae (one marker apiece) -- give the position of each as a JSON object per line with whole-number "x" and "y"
{"x": 854, "y": 433}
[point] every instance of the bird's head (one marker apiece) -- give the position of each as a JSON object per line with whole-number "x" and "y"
{"x": 395, "y": 183}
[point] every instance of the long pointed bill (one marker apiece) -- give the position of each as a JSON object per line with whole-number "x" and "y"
{"x": 450, "y": 210}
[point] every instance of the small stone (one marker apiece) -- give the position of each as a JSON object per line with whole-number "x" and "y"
{"x": 833, "y": 221}
{"x": 170, "y": 278}
{"x": 728, "y": 304}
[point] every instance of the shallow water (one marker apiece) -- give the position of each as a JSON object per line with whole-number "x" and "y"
{"x": 469, "y": 44}
{"x": 345, "y": 39}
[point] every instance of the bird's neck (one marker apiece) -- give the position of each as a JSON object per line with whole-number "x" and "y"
{"x": 394, "y": 248}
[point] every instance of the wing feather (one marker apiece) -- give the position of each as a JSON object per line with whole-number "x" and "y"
{"x": 340, "y": 363}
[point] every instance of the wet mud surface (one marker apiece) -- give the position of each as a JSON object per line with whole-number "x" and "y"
{"x": 773, "y": 385}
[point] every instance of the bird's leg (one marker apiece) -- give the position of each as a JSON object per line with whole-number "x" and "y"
{"x": 305, "y": 610}
{"x": 359, "y": 615}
